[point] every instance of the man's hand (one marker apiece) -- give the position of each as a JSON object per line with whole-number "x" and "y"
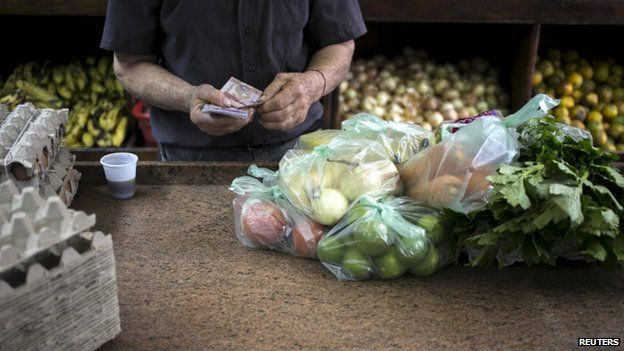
{"x": 288, "y": 99}
{"x": 210, "y": 123}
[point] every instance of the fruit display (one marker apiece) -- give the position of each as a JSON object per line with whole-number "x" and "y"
{"x": 414, "y": 88}
{"x": 454, "y": 173}
{"x": 385, "y": 239}
{"x": 591, "y": 93}
{"x": 265, "y": 219}
{"x": 98, "y": 107}
{"x": 322, "y": 183}
{"x": 401, "y": 141}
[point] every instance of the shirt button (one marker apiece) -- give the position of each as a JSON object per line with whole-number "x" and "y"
{"x": 248, "y": 30}
{"x": 251, "y": 68}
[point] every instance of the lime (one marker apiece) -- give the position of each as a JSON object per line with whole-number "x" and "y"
{"x": 372, "y": 238}
{"x": 433, "y": 226}
{"x": 330, "y": 249}
{"x": 411, "y": 250}
{"x": 356, "y": 264}
{"x": 388, "y": 266}
{"x": 428, "y": 266}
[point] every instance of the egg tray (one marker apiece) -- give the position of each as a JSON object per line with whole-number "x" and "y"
{"x": 30, "y": 141}
{"x": 62, "y": 298}
{"x": 61, "y": 179}
{"x": 29, "y": 224}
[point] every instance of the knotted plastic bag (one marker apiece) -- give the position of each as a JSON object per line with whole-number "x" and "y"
{"x": 386, "y": 239}
{"x": 400, "y": 140}
{"x": 453, "y": 173}
{"x": 265, "y": 219}
{"x": 324, "y": 182}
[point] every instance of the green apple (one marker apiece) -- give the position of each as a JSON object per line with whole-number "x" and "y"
{"x": 428, "y": 266}
{"x": 356, "y": 264}
{"x": 372, "y": 237}
{"x": 388, "y": 266}
{"x": 330, "y": 249}
{"x": 412, "y": 250}
{"x": 434, "y": 227}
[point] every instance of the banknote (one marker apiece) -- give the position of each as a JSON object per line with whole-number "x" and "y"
{"x": 243, "y": 96}
{"x": 243, "y": 93}
{"x": 225, "y": 111}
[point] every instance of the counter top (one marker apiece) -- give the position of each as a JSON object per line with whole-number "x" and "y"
{"x": 185, "y": 282}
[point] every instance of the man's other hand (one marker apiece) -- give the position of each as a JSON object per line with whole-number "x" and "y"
{"x": 211, "y": 123}
{"x": 288, "y": 99}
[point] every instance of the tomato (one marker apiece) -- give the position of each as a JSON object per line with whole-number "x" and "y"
{"x": 263, "y": 222}
{"x": 306, "y": 234}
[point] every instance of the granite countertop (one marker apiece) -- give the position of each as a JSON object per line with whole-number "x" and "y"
{"x": 185, "y": 282}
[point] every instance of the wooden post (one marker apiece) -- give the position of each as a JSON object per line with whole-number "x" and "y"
{"x": 524, "y": 66}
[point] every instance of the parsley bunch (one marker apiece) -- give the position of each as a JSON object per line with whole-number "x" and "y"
{"x": 561, "y": 199}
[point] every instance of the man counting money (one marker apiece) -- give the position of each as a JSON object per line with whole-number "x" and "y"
{"x": 177, "y": 55}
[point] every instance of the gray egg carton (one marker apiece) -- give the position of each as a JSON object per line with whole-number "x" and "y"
{"x": 30, "y": 152}
{"x": 58, "y": 286}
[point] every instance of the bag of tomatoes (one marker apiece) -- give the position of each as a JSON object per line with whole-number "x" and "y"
{"x": 265, "y": 219}
{"x": 453, "y": 173}
{"x": 386, "y": 239}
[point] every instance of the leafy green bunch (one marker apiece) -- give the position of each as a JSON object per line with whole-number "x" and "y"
{"x": 561, "y": 199}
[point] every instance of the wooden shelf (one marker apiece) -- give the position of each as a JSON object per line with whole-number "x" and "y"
{"x": 53, "y": 7}
{"x": 496, "y": 11}
{"x": 456, "y": 11}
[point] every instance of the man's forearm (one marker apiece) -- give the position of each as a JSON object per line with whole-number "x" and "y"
{"x": 148, "y": 81}
{"x": 334, "y": 62}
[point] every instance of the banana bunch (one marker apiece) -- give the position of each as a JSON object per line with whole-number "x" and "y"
{"x": 96, "y": 99}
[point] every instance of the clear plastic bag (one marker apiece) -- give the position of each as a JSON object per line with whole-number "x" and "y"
{"x": 309, "y": 141}
{"x": 324, "y": 182}
{"x": 264, "y": 218}
{"x": 386, "y": 239}
{"x": 453, "y": 173}
{"x": 400, "y": 140}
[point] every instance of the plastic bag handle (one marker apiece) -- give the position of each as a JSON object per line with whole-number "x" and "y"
{"x": 537, "y": 107}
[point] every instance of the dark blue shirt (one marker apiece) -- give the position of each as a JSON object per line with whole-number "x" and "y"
{"x": 207, "y": 41}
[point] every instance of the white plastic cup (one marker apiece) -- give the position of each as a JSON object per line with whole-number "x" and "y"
{"x": 120, "y": 171}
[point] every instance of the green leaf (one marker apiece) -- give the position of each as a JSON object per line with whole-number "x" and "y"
{"x": 603, "y": 190}
{"x": 611, "y": 174}
{"x": 594, "y": 249}
{"x": 568, "y": 199}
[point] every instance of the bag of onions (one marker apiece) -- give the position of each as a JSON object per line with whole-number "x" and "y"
{"x": 322, "y": 183}
{"x": 264, "y": 218}
{"x": 453, "y": 173}
{"x": 386, "y": 239}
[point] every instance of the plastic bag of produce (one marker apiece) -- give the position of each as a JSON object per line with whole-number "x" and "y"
{"x": 264, "y": 218}
{"x": 453, "y": 173}
{"x": 385, "y": 239}
{"x": 324, "y": 182}
{"x": 320, "y": 137}
{"x": 400, "y": 140}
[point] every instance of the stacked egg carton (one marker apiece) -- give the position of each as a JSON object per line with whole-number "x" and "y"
{"x": 30, "y": 152}
{"x": 57, "y": 278}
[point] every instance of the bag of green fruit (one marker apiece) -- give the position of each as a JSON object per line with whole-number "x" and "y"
{"x": 385, "y": 239}
{"x": 324, "y": 182}
{"x": 264, "y": 218}
{"x": 400, "y": 140}
{"x": 453, "y": 173}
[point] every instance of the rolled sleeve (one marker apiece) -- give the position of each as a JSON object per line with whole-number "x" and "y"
{"x": 132, "y": 27}
{"x": 334, "y": 21}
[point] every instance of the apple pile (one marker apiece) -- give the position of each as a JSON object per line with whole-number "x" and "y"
{"x": 591, "y": 93}
{"x": 382, "y": 240}
{"x": 324, "y": 182}
{"x": 414, "y": 88}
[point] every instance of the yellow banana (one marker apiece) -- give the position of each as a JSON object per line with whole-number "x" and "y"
{"x": 109, "y": 83}
{"x": 90, "y": 61}
{"x": 104, "y": 64}
{"x": 57, "y": 75}
{"x": 120, "y": 132}
{"x": 69, "y": 80}
{"x": 94, "y": 74}
{"x": 64, "y": 92}
{"x": 87, "y": 140}
{"x": 36, "y": 92}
